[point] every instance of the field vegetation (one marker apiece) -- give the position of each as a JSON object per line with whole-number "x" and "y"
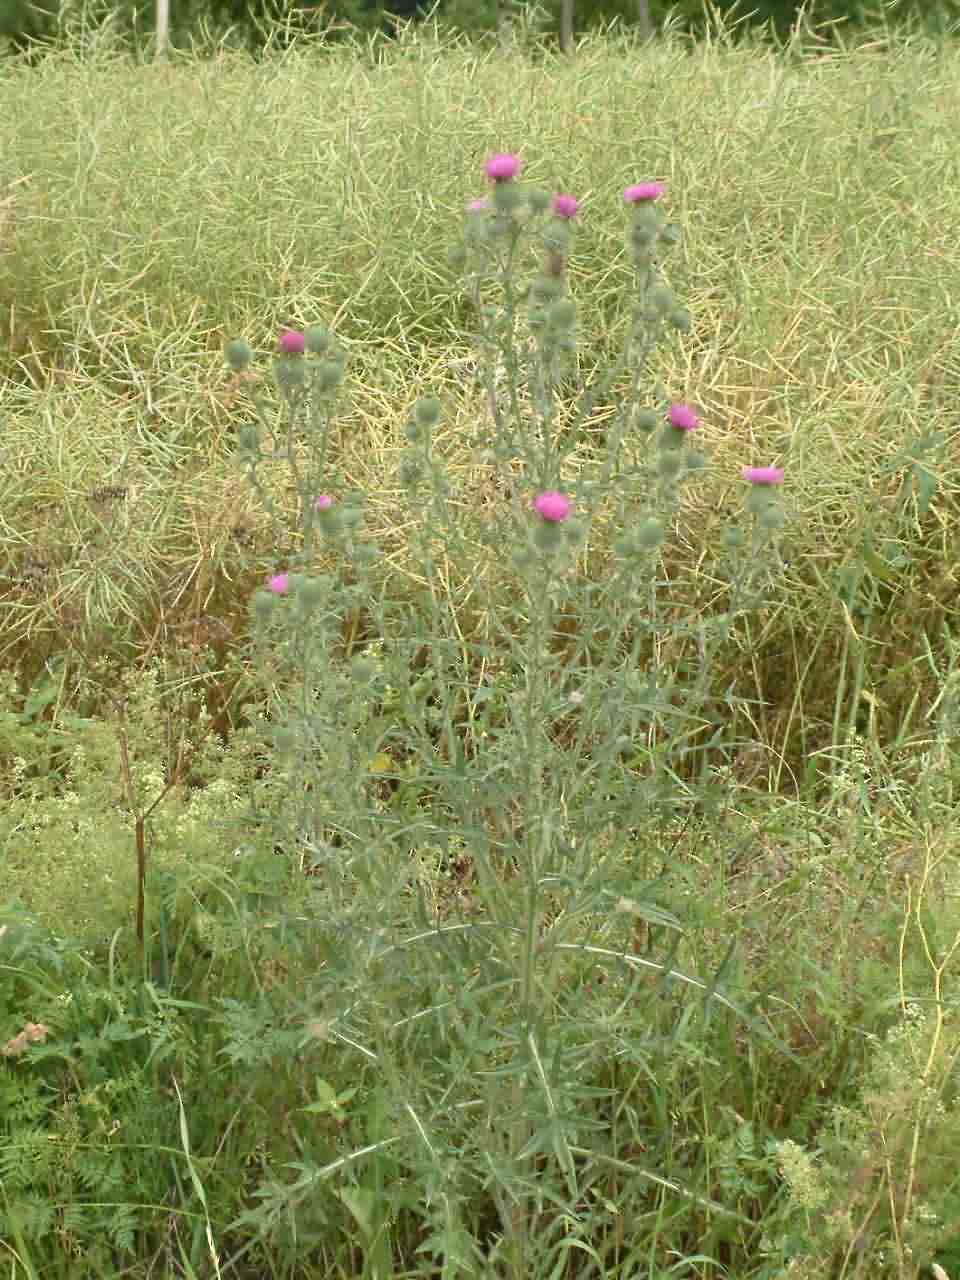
{"x": 424, "y": 883}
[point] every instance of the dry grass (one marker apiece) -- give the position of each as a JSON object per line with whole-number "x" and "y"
{"x": 151, "y": 213}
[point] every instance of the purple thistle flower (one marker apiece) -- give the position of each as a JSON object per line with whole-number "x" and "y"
{"x": 479, "y": 206}
{"x": 553, "y": 506}
{"x": 683, "y": 417}
{"x": 642, "y": 191}
{"x": 292, "y": 343}
{"x": 566, "y": 206}
{"x": 502, "y": 167}
{"x": 763, "y": 475}
{"x": 279, "y": 584}
{"x": 323, "y": 503}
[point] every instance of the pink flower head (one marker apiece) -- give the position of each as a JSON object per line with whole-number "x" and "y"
{"x": 642, "y": 191}
{"x": 566, "y": 206}
{"x": 279, "y": 584}
{"x": 553, "y": 506}
{"x": 502, "y": 167}
{"x": 763, "y": 475}
{"x": 292, "y": 343}
{"x": 323, "y": 503}
{"x": 683, "y": 417}
{"x": 478, "y": 206}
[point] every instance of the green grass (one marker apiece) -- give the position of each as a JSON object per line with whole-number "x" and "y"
{"x": 148, "y": 214}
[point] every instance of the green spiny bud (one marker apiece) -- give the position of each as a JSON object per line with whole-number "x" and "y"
{"x": 311, "y": 591}
{"x": 427, "y": 411}
{"x": 671, "y": 233}
{"x": 362, "y": 669}
{"x": 562, "y": 314}
{"x": 539, "y": 201}
{"x": 680, "y": 319}
{"x": 546, "y": 289}
{"x": 696, "y": 461}
{"x": 410, "y": 473}
{"x": 647, "y": 420}
{"x": 317, "y": 339}
{"x": 661, "y": 298}
{"x": 263, "y": 603}
{"x": 650, "y": 534}
{"x": 239, "y": 353}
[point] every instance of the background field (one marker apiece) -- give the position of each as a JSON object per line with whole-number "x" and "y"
{"x": 150, "y": 213}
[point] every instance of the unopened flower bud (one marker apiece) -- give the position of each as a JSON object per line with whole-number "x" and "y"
{"x": 427, "y": 411}
{"x": 545, "y": 289}
{"x": 562, "y": 314}
{"x": 661, "y": 298}
{"x": 317, "y": 339}
{"x": 410, "y": 473}
{"x": 310, "y": 591}
{"x": 650, "y": 534}
{"x": 263, "y": 603}
{"x": 239, "y": 353}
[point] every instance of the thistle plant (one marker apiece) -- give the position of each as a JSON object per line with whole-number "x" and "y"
{"x": 481, "y": 758}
